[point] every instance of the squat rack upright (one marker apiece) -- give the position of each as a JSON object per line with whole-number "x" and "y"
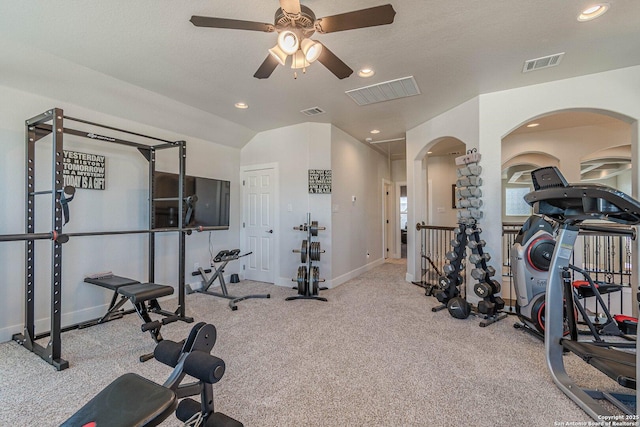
{"x": 35, "y": 129}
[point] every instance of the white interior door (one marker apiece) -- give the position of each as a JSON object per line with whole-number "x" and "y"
{"x": 259, "y": 223}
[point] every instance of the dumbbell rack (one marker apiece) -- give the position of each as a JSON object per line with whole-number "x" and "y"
{"x": 308, "y": 274}
{"x": 468, "y": 203}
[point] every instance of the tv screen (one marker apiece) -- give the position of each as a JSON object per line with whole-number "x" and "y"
{"x": 210, "y": 209}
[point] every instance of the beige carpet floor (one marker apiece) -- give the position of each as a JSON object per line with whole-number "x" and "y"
{"x": 373, "y": 355}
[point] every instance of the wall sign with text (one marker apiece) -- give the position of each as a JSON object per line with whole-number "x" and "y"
{"x": 319, "y": 181}
{"x": 83, "y": 170}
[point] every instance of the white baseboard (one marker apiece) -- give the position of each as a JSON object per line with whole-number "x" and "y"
{"x": 336, "y": 281}
{"x": 44, "y": 324}
{"x": 409, "y": 277}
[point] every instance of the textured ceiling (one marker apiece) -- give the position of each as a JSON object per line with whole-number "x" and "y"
{"x": 455, "y": 49}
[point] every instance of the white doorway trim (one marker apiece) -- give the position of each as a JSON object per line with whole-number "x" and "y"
{"x": 397, "y": 216}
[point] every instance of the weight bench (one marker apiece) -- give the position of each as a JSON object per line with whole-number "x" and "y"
{"x": 132, "y": 400}
{"x": 143, "y": 296}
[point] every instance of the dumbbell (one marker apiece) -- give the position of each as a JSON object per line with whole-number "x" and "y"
{"x": 469, "y": 181}
{"x": 497, "y": 287}
{"x": 463, "y": 214}
{"x": 455, "y": 243}
{"x": 470, "y": 170}
{"x": 451, "y": 255}
{"x": 482, "y": 289}
{"x": 469, "y": 203}
{"x": 469, "y": 192}
{"x": 473, "y": 244}
{"x": 469, "y": 213}
{"x": 481, "y": 273}
{"x": 471, "y": 230}
{"x": 487, "y": 307}
{"x": 477, "y": 258}
{"x": 448, "y": 269}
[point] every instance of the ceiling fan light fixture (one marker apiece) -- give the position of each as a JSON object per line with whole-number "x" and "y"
{"x": 299, "y": 61}
{"x": 311, "y": 49}
{"x": 288, "y": 42}
{"x": 278, "y": 54}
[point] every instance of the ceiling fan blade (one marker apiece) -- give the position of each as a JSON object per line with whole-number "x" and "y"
{"x": 334, "y": 64}
{"x": 267, "y": 67}
{"x": 379, "y": 15}
{"x": 233, "y": 24}
{"x": 290, "y": 6}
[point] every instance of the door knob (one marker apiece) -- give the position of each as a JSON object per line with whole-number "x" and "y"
{"x": 270, "y": 231}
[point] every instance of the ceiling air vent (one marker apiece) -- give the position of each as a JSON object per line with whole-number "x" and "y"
{"x": 314, "y": 111}
{"x": 544, "y": 62}
{"x": 385, "y": 91}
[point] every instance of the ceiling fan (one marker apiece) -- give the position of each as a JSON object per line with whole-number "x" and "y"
{"x": 295, "y": 24}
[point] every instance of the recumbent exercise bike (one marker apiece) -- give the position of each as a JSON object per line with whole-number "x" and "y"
{"x": 530, "y": 258}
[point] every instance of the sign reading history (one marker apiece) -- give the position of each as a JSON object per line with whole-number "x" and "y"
{"x": 320, "y": 181}
{"x": 83, "y": 170}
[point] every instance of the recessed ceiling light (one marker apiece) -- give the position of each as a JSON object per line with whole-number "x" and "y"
{"x": 532, "y": 125}
{"x": 375, "y": 131}
{"x": 593, "y": 12}
{"x": 429, "y": 152}
{"x": 366, "y": 72}
{"x": 242, "y": 105}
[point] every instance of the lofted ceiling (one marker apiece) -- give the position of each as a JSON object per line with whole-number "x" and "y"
{"x": 455, "y": 50}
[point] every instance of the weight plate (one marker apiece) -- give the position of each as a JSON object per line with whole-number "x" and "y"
{"x": 315, "y": 279}
{"x": 303, "y": 252}
{"x": 314, "y": 228}
{"x": 315, "y": 251}
{"x": 302, "y": 280}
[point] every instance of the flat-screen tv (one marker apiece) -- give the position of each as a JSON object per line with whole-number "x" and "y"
{"x": 209, "y": 207}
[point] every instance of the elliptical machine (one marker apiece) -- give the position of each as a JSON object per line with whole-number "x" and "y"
{"x": 530, "y": 259}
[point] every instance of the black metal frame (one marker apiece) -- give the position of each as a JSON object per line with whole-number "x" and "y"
{"x": 36, "y": 128}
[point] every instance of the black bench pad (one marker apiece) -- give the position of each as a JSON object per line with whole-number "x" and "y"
{"x": 142, "y": 292}
{"x": 129, "y": 401}
{"x": 112, "y": 282}
{"x": 617, "y": 365}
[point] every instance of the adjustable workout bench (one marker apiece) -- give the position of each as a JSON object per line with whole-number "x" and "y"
{"x": 132, "y": 400}
{"x": 143, "y": 296}
{"x": 224, "y": 257}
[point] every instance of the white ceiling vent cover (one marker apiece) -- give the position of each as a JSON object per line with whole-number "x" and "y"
{"x": 313, "y": 111}
{"x": 544, "y": 62}
{"x": 385, "y": 91}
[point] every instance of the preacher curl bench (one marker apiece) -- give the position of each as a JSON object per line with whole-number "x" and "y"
{"x": 132, "y": 400}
